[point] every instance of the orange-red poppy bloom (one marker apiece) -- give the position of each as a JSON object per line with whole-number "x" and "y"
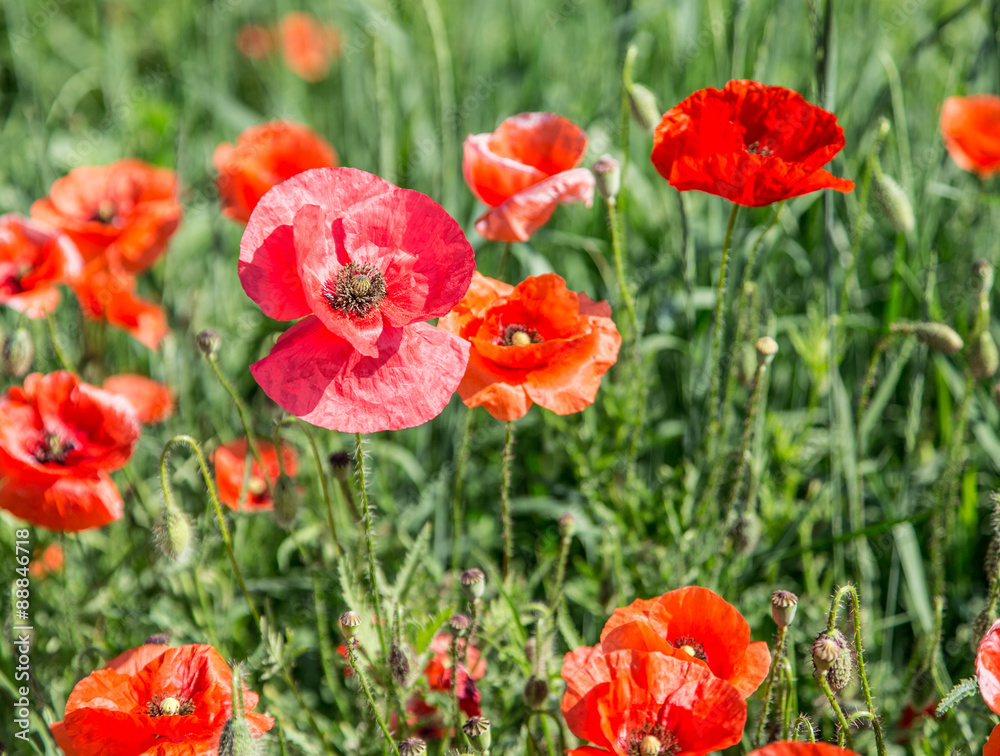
{"x": 254, "y": 41}
{"x": 262, "y": 157}
{"x": 125, "y": 212}
{"x": 34, "y": 258}
{"x": 971, "y": 130}
{"x": 176, "y": 704}
{"x": 439, "y": 672}
{"x": 696, "y": 625}
{"x": 620, "y": 700}
{"x": 523, "y": 170}
{"x": 51, "y": 559}
{"x": 230, "y": 465}
{"x": 750, "y": 143}
{"x": 988, "y": 677}
{"x": 59, "y": 437}
{"x": 537, "y": 342}
{"x": 108, "y": 293}
{"x": 153, "y": 401}
{"x": 307, "y": 46}
{"x": 992, "y": 747}
{"x": 788, "y": 748}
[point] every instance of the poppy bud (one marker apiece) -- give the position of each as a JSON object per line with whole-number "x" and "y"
{"x": 746, "y": 363}
{"x": 399, "y": 665}
{"x": 473, "y": 583}
{"x": 644, "y": 108}
{"x": 783, "y": 605}
{"x": 412, "y": 747}
{"x": 745, "y": 533}
{"x": 349, "y": 624}
{"x": 158, "y": 639}
{"x": 536, "y": 691}
{"x": 937, "y": 336}
{"x": 607, "y": 176}
{"x": 567, "y": 524}
{"x": 983, "y": 357}
{"x": 766, "y": 348}
{"x": 237, "y": 740}
{"x": 459, "y": 622}
{"x": 286, "y": 501}
{"x": 893, "y": 204}
{"x": 984, "y": 271}
{"x": 477, "y": 730}
{"x": 172, "y": 534}
{"x": 18, "y": 353}
{"x": 339, "y": 463}
{"x": 208, "y": 342}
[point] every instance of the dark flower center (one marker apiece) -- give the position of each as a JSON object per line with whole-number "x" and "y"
{"x": 356, "y": 290}
{"x": 53, "y": 448}
{"x": 519, "y": 335}
{"x": 105, "y": 212}
{"x": 691, "y": 647}
{"x": 10, "y": 279}
{"x": 651, "y": 740}
{"x": 162, "y": 705}
{"x": 755, "y": 148}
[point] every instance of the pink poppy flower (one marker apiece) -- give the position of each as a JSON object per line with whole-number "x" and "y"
{"x": 363, "y": 263}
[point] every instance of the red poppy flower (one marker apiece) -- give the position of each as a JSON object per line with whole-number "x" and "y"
{"x": 750, "y": 143}
{"x": 125, "y": 212}
{"x": 107, "y": 293}
{"x": 988, "y": 667}
{"x": 802, "y": 749}
{"x": 33, "y": 260}
{"x": 307, "y": 46}
{"x": 59, "y": 437}
{"x": 523, "y": 170}
{"x": 176, "y": 704}
{"x": 364, "y": 263}
{"x": 618, "y": 700}
{"x": 153, "y": 402}
{"x": 230, "y": 465}
{"x": 263, "y": 157}
{"x": 537, "y": 342}
{"x": 254, "y": 41}
{"x": 51, "y": 559}
{"x": 439, "y": 672}
{"x": 971, "y": 130}
{"x": 992, "y": 747}
{"x": 695, "y": 625}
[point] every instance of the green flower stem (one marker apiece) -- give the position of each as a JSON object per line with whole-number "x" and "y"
{"x": 845, "y": 728}
{"x": 244, "y": 417}
{"x": 456, "y": 709}
{"x": 715, "y": 360}
{"x": 352, "y": 658}
{"x": 801, "y": 720}
{"x": 779, "y": 655}
{"x": 60, "y": 355}
{"x": 566, "y": 538}
{"x": 759, "y": 382}
{"x": 503, "y": 260}
{"x": 456, "y": 491}
{"x": 446, "y": 97}
{"x": 859, "y": 650}
{"x": 630, "y": 55}
{"x": 614, "y": 225}
{"x": 872, "y": 373}
{"x": 359, "y": 452}
{"x": 508, "y": 455}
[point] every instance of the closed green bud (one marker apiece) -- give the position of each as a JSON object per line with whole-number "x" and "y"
{"x": 286, "y": 501}
{"x": 17, "y": 353}
{"x": 607, "y": 177}
{"x": 237, "y": 740}
{"x": 536, "y": 692}
{"x": 937, "y": 336}
{"x": 567, "y": 524}
{"x": 173, "y": 534}
{"x": 893, "y": 204}
{"x": 644, "y": 108}
{"x": 983, "y": 357}
{"x": 209, "y": 342}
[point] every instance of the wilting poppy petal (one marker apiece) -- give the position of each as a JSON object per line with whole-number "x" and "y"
{"x": 307, "y": 46}
{"x": 34, "y": 258}
{"x": 230, "y": 465}
{"x": 263, "y": 157}
{"x": 750, "y": 143}
{"x": 523, "y": 170}
{"x": 802, "y": 749}
{"x": 971, "y": 130}
{"x": 153, "y": 401}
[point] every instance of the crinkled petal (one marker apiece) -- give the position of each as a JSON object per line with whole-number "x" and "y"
{"x": 518, "y": 217}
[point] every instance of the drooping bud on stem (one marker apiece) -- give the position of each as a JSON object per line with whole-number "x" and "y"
{"x": 607, "y": 176}
{"x": 399, "y": 665}
{"x": 209, "y": 342}
{"x": 937, "y": 336}
{"x": 236, "y": 738}
{"x": 173, "y": 534}
{"x": 644, "y": 108}
{"x": 983, "y": 356}
{"x": 536, "y": 691}
{"x": 286, "y": 501}
{"x": 893, "y": 204}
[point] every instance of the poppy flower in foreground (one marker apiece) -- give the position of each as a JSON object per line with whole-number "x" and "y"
{"x": 788, "y": 748}
{"x": 749, "y": 143}
{"x": 523, "y": 170}
{"x": 364, "y": 263}
{"x": 230, "y": 466}
{"x": 59, "y": 438}
{"x": 439, "y": 672}
{"x": 107, "y": 293}
{"x": 153, "y": 401}
{"x": 175, "y": 704}
{"x": 125, "y": 211}
{"x": 307, "y": 46}
{"x": 629, "y": 703}
{"x": 971, "y": 130}
{"x": 34, "y": 258}
{"x": 693, "y": 624}
{"x": 263, "y": 157}
{"x": 988, "y": 677}
{"x": 537, "y": 342}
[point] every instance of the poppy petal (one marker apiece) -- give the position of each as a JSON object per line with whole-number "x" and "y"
{"x": 992, "y": 747}
{"x": 518, "y": 217}
{"x": 971, "y": 130}
{"x": 788, "y": 748}
{"x": 988, "y": 667}
{"x": 153, "y": 401}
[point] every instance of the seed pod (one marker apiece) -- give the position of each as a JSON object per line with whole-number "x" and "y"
{"x": 412, "y": 747}
{"x": 173, "y": 534}
{"x": 567, "y": 525}
{"x": 607, "y": 176}
{"x": 892, "y": 203}
{"x": 832, "y": 657}
{"x": 477, "y": 730}
{"x": 644, "y": 108}
{"x": 766, "y": 348}
{"x": 459, "y": 622}
{"x": 286, "y": 501}
{"x": 783, "y": 605}
{"x": 983, "y": 357}
{"x": 17, "y": 353}
{"x": 536, "y": 691}
{"x": 649, "y": 746}
{"x": 473, "y": 583}
{"x": 209, "y": 342}
{"x": 349, "y": 624}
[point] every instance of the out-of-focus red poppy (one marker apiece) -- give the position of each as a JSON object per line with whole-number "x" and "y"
{"x": 176, "y": 704}
{"x": 107, "y": 293}
{"x": 992, "y": 747}
{"x": 308, "y": 46}
{"x": 618, "y": 700}
{"x": 363, "y": 263}
{"x": 59, "y": 437}
{"x": 125, "y": 212}
{"x": 988, "y": 668}
{"x": 537, "y": 342}
{"x": 750, "y": 143}
{"x": 153, "y": 401}
{"x": 523, "y": 170}
{"x": 693, "y": 624}
{"x": 263, "y": 157}
{"x": 971, "y": 130}
{"x": 254, "y": 41}
{"x": 50, "y": 560}
{"x": 34, "y": 258}
{"x": 788, "y": 748}
{"x": 439, "y": 672}
{"x": 230, "y": 465}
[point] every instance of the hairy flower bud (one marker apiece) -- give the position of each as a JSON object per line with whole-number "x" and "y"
{"x": 286, "y": 501}
{"x": 399, "y": 665}
{"x": 17, "y": 353}
{"x": 937, "y": 336}
{"x": 209, "y": 342}
{"x": 892, "y": 203}
{"x": 607, "y": 176}
{"x": 237, "y": 740}
{"x": 983, "y": 356}
{"x": 832, "y": 657}
{"x": 173, "y": 534}
{"x": 783, "y": 605}
{"x": 745, "y": 532}
{"x": 473, "y": 583}
{"x": 536, "y": 691}
{"x": 644, "y": 108}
